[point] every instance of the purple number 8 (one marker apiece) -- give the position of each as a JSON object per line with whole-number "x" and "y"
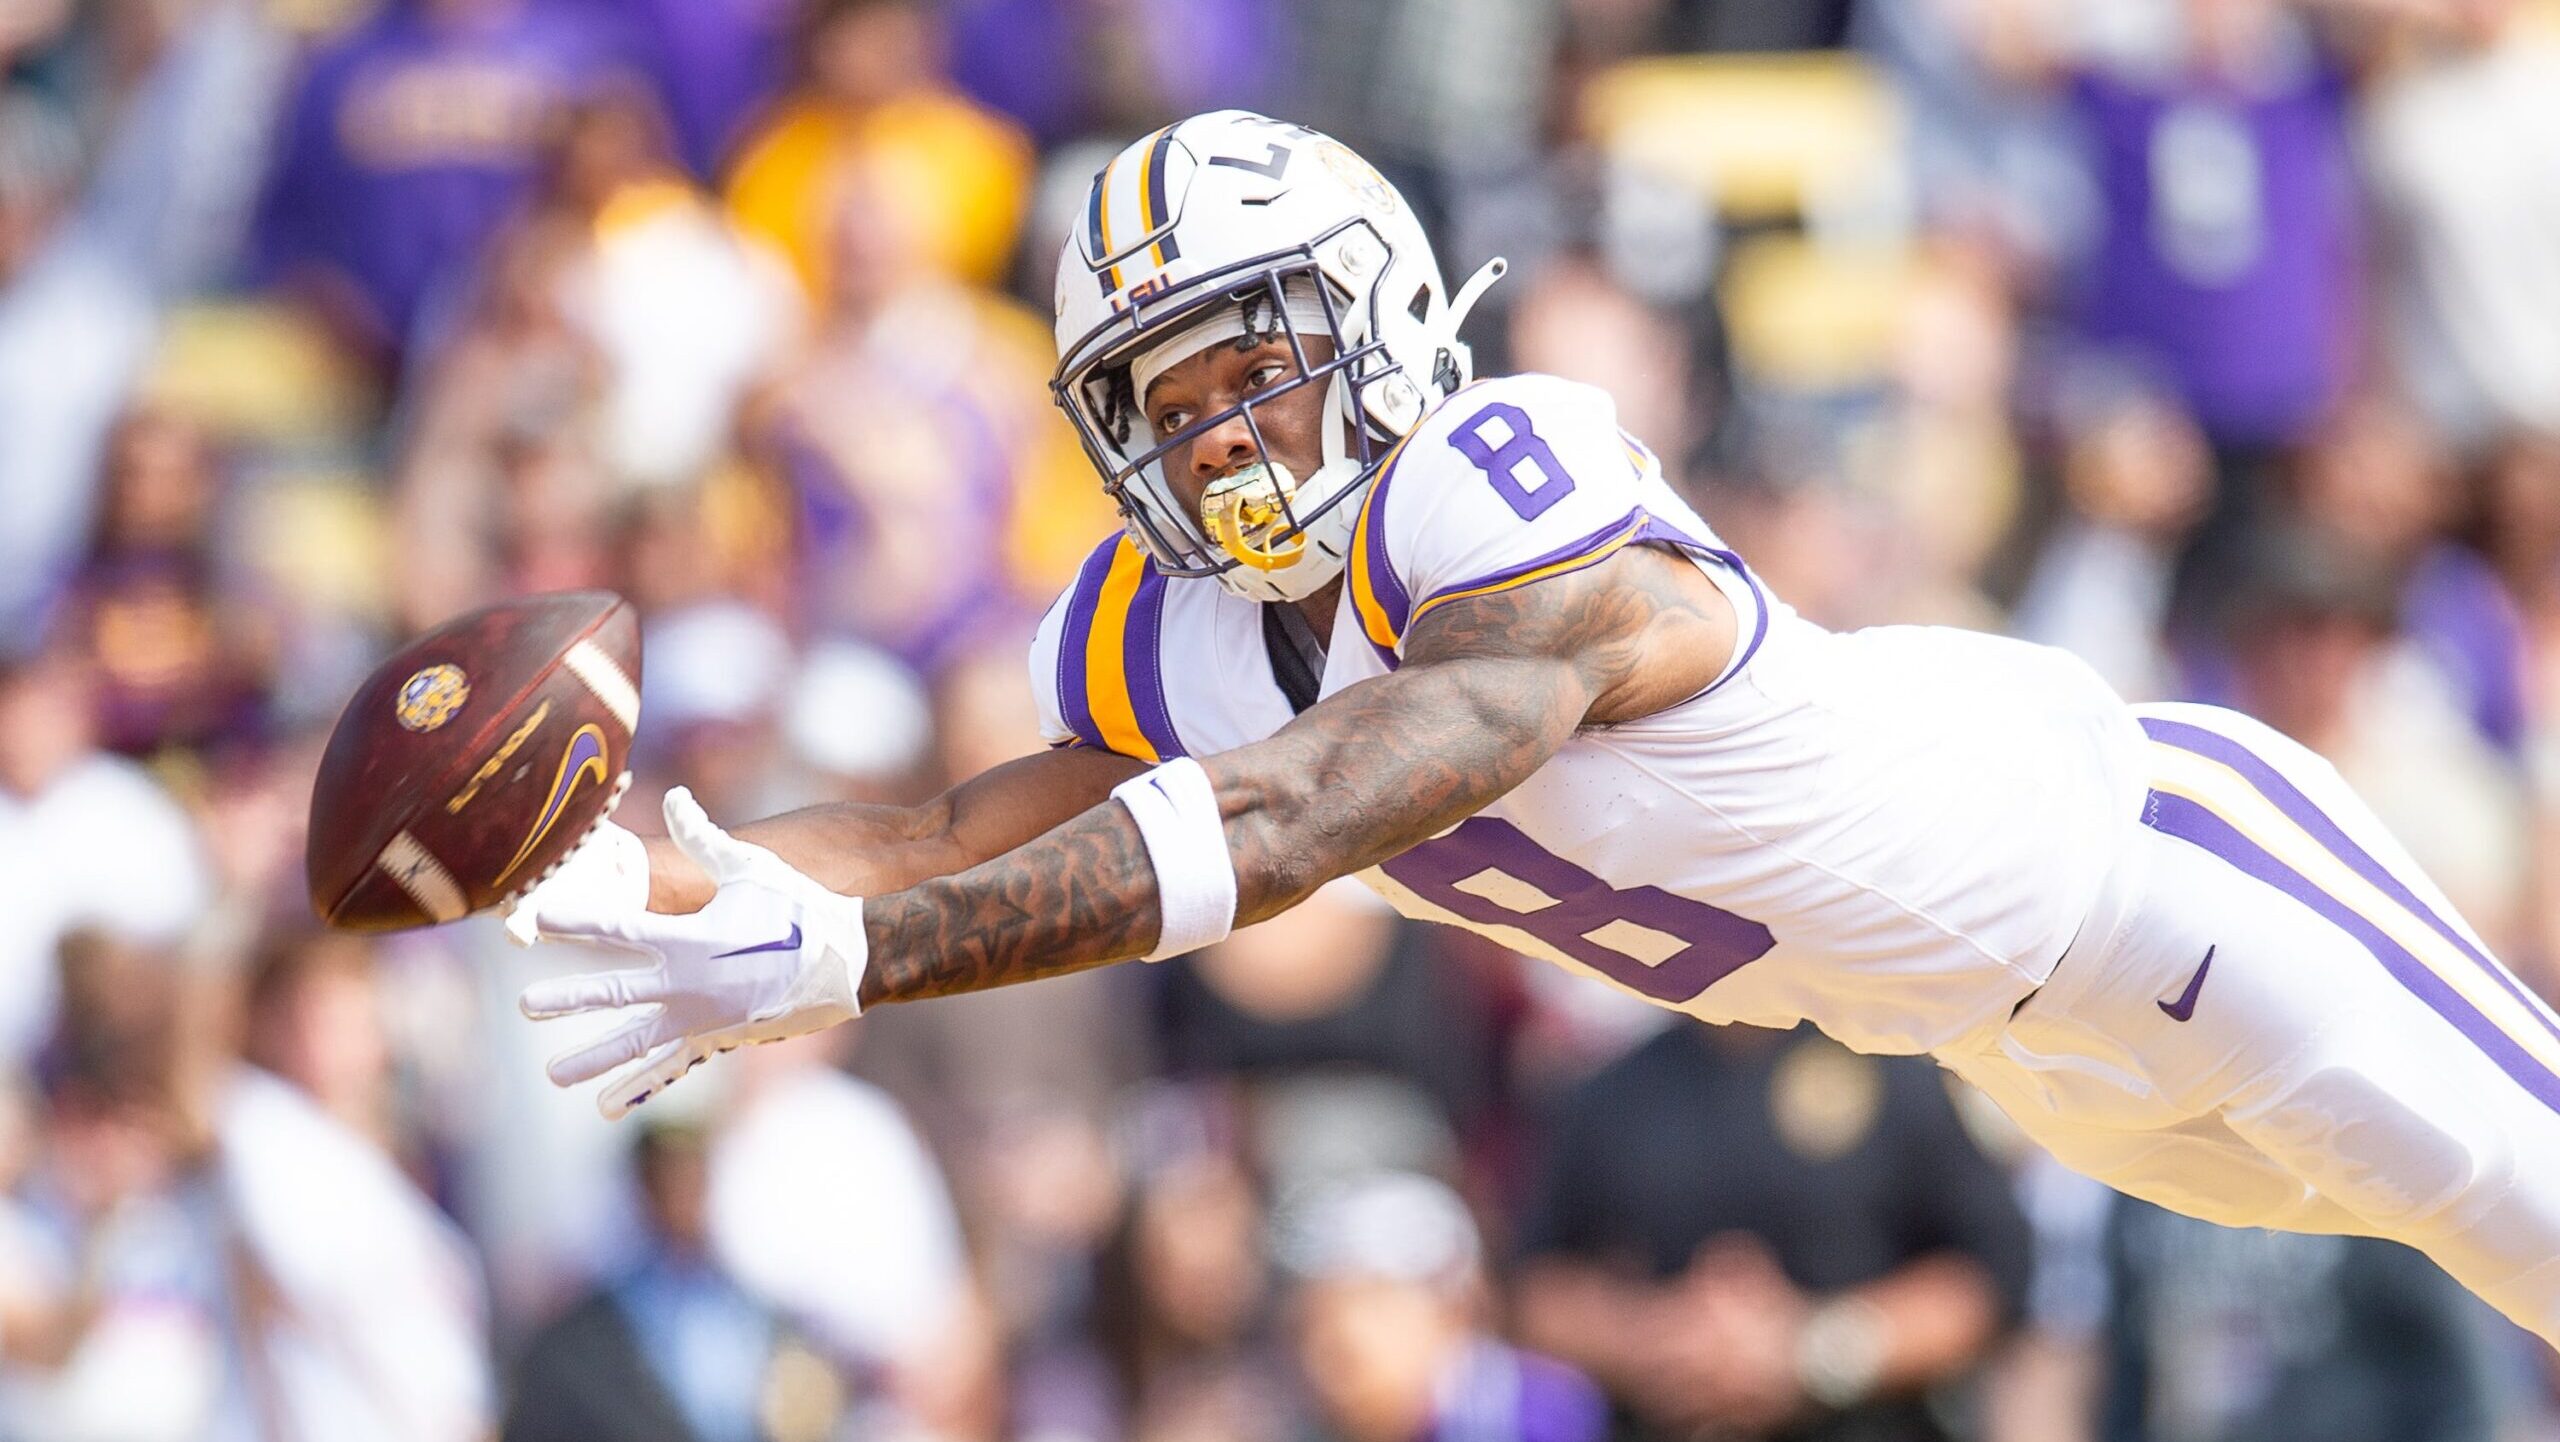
{"x": 1500, "y": 463}
{"x": 1452, "y": 872}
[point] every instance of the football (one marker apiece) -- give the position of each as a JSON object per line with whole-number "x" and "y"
{"x": 473, "y": 760}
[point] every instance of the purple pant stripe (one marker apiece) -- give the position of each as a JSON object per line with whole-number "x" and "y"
{"x": 2189, "y": 821}
{"x": 2303, "y": 812}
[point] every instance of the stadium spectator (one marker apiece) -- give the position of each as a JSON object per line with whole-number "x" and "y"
{"x": 2229, "y": 234}
{"x": 824, "y": 1203}
{"x": 89, "y": 259}
{"x": 1127, "y": 71}
{"x": 408, "y": 140}
{"x": 1750, "y": 1234}
{"x": 184, "y": 651}
{"x": 718, "y": 66}
{"x": 910, "y": 446}
{"x": 1339, "y": 985}
{"x": 875, "y": 89}
{"x": 672, "y": 1347}
{"x": 2450, "y": 134}
{"x": 1388, "y": 1310}
{"x": 1181, "y": 1331}
{"x": 2136, "y": 478}
{"x": 2216, "y": 1335}
{"x": 87, "y": 840}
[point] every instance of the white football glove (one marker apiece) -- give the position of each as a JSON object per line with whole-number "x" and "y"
{"x": 774, "y": 955}
{"x": 608, "y": 872}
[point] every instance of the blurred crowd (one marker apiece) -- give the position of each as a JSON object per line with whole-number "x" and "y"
{"x": 2217, "y": 340}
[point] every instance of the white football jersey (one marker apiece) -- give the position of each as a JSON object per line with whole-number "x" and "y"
{"x": 1892, "y": 833}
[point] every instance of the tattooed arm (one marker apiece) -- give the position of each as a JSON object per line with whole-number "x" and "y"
{"x": 864, "y": 850}
{"x": 1491, "y": 687}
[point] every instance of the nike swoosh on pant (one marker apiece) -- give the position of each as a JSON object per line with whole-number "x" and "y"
{"x": 2185, "y": 1006}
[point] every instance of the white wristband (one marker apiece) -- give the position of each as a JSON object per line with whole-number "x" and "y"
{"x": 1177, "y": 813}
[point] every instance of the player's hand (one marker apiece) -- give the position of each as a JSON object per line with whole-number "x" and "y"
{"x": 774, "y": 955}
{"x": 608, "y": 872}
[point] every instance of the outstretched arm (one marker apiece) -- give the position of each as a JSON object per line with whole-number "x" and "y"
{"x": 1490, "y": 688}
{"x": 864, "y": 850}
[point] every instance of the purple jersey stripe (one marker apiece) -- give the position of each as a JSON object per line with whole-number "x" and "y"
{"x": 2303, "y": 812}
{"x": 2189, "y": 821}
{"x": 1144, "y": 656}
{"x": 1658, "y": 529}
{"x": 1759, "y": 622}
{"x": 1383, "y": 580}
{"x": 1566, "y": 552}
{"x": 1075, "y": 642}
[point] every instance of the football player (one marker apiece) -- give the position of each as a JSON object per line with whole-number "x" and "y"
{"x": 1371, "y": 616}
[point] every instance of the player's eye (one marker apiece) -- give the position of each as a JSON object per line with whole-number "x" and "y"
{"x": 1265, "y": 374}
{"x": 1171, "y": 419}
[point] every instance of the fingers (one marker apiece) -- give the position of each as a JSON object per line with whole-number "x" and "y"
{"x": 647, "y": 1077}
{"x": 694, "y": 834}
{"x": 521, "y": 923}
{"x": 723, "y": 856}
{"x": 592, "y": 991}
{"x": 631, "y": 928}
{"x": 623, "y": 1044}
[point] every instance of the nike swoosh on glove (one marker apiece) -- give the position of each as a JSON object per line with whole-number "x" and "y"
{"x": 774, "y": 955}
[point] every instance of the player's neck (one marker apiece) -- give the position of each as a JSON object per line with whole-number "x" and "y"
{"x": 1318, "y": 608}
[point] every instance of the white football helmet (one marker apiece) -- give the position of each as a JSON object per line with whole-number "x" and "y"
{"x": 1234, "y": 215}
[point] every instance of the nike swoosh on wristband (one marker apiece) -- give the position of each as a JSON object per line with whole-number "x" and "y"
{"x": 2185, "y": 1006}
{"x": 792, "y": 943}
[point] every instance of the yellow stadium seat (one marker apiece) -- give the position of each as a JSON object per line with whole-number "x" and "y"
{"x": 254, "y": 370}
{"x": 1766, "y": 137}
{"x": 1815, "y": 318}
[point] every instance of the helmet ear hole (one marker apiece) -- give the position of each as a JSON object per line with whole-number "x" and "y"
{"x": 1444, "y": 372}
{"x": 1420, "y": 306}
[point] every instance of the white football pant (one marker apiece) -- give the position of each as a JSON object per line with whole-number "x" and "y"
{"x": 2271, "y": 1019}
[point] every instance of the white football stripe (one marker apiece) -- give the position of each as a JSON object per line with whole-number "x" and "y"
{"x": 423, "y": 877}
{"x": 605, "y": 678}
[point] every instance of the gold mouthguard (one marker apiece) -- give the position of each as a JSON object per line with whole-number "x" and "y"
{"x": 1248, "y": 515}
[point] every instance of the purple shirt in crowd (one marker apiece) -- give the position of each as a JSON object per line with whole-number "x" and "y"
{"x": 2227, "y": 244}
{"x": 1042, "y": 62}
{"x": 717, "y": 66}
{"x": 413, "y": 135}
{"x": 1502, "y": 1394}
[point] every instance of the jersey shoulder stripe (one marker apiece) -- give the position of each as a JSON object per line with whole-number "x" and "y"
{"x": 1583, "y": 551}
{"x": 1376, "y": 592}
{"x": 1111, "y": 655}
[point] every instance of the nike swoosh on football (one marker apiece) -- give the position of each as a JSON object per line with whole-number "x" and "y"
{"x": 2185, "y": 1006}
{"x": 792, "y": 943}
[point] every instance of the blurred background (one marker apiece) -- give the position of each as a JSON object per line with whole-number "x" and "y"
{"x": 2217, "y": 340}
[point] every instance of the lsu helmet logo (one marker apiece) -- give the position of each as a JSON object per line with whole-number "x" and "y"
{"x": 429, "y": 699}
{"x": 1358, "y": 176}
